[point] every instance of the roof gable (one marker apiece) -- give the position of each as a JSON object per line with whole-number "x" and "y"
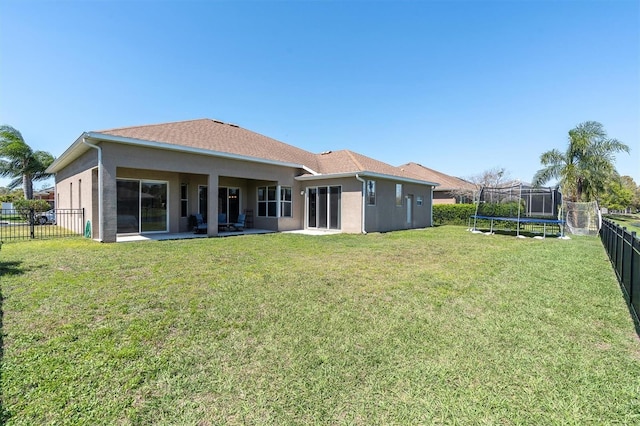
{"x": 215, "y": 135}
{"x": 345, "y": 161}
{"x": 446, "y": 182}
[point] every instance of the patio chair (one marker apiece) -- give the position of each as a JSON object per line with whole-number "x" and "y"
{"x": 201, "y": 226}
{"x": 239, "y": 225}
{"x": 222, "y": 221}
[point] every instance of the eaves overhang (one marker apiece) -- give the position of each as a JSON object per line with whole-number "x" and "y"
{"x": 78, "y": 148}
{"x": 367, "y": 174}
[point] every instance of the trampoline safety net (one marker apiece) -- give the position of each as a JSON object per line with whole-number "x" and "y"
{"x": 519, "y": 208}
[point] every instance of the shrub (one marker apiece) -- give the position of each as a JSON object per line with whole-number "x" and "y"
{"x": 452, "y": 214}
{"x": 507, "y": 209}
{"x": 37, "y": 205}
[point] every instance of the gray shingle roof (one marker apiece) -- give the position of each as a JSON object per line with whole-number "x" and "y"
{"x": 346, "y": 161}
{"x": 217, "y": 136}
{"x": 447, "y": 183}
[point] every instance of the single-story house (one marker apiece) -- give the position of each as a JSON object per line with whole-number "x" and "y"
{"x": 47, "y": 194}
{"x": 451, "y": 189}
{"x": 154, "y": 178}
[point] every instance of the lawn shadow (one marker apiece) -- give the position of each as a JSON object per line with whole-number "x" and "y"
{"x": 10, "y": 268}
{"x": 6, "y": 268}
{"x": 635, "y": 316}
{"x": 4, "y": 414}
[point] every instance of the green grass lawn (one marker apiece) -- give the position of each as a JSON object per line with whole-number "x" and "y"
{"x": 631, "y": 222}
{"x": 437, "y": 326}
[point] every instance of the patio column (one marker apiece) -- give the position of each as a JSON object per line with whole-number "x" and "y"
{"x": 212, "y": 208}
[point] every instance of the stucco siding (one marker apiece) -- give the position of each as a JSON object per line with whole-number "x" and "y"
{"x": 86, "y": 161}
{"x": 175, "y": 168}
{"x": 350, "y": 201}
{"x": 443, "y": 197}
{"x": 385, "y": 215}
{"x": 129, "y": 156}
{"x": 76, "y": 192}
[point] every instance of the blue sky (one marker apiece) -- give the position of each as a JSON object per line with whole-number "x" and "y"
{"x": 461, "y": 86}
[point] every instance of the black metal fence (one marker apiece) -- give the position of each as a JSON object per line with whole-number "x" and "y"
{"x": 24, "y": 224}
{"x": 623, "y": 248}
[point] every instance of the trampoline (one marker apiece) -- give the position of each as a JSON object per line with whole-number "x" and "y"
{"x": 519, "y": 208}
{"x": 526, "y": 223}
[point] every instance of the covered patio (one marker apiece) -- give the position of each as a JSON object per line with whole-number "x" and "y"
{"x": 187, "y": 235}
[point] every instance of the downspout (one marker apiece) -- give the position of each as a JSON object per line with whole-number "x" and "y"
{"x": 431, "y": 208}
{"x": 364, "y": 199}
{"x": 100, "y": 167}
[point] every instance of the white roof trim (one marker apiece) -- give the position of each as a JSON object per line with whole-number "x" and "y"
{"x": 366, "y": 174}
{"x": 74, "y": 151}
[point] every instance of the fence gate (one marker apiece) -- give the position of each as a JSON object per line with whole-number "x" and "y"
{"x": 27, "y": 224}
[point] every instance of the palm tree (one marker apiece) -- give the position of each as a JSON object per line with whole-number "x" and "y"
{"x": 19, "y": 162}
{"x": 585, "y": 167}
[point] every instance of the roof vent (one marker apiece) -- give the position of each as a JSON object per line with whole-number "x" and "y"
{"x": 233, "y": 125}
{"x": 325, "y": 152}
{"x": 217, "y": 121}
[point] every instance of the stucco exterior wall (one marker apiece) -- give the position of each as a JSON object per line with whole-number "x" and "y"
{"x": 86, "y": 161}
{"x": 134, "y": 162}
{"x": 440, "y": 197}
{"x": 351, "y": 201}
{"x": 385, "y": 215}
{"x": 76, "y": 192}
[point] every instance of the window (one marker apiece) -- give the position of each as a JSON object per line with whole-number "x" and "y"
{"x": 184, "y": 200}
{"x": 371, "y": 192}
{"x": 419, "y": 201}
{"x": 398, "y": 195}
{"x": 267, "y": 203}
{"x": 272, "y": 202}
{"x": 79, "y": 193}
{"x": 285, "y": 201}
{"x": 269, "y": 198}
{"x": 70, "y": 195}
{"x": 262, "y": 201}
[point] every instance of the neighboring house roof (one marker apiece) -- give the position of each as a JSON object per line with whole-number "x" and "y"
{"x": 45, "y": 194}
{"x": 214, "y": 137}
{"x": 44, "y": 191}
{"x": 447, "y": 183}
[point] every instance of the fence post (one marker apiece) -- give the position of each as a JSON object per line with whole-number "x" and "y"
{"x": 632, "y": 287}
{"x": 32, "y": 222}
{"x": 620, "y": 250}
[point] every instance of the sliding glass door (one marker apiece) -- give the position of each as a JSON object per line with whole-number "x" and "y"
{"x": 229, "y": 203}
{"x": 142, "y": 206}
{"x": 203, "y": 196}
{"x": 153, "y": 207}
{"x": 323, "y": 207}
{"x": 128, "y": 206}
